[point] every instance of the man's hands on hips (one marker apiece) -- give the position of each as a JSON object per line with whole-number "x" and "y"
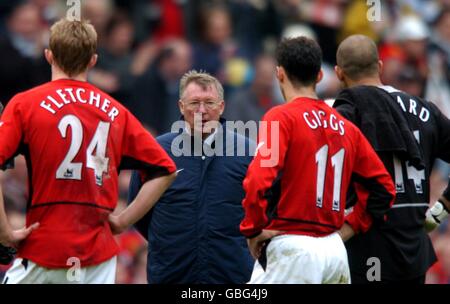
{"x": 255, "y": 244}
{"x": 436, "y": 214}
{"x": 10, "y": 241}
{"x": 14, "y": 237}
{"x": 346, "y": 232}
{"x": 116, "y": 224}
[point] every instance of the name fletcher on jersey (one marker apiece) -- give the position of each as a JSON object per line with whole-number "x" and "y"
{"x": 69, "y": 95}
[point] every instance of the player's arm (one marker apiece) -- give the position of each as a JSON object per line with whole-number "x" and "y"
{"x": 156, "y": 172}
{"x": 10, "y": 136}
{"x": 146, "y": 198}
{"x": 261, "y": 175}
{"x": 346, "y": 232}
{"x": 374, "y": 188}
{"x": 133, "y": 190}
{"x": 439, "y": 211}
{"x": 8, "y": 236}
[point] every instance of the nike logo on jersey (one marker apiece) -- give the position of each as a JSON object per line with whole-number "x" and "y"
{"x": 178, "y": 171}
{"x": 1, "y": 123}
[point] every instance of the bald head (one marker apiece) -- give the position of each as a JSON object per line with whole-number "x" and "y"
{"x": 357, "y": 56}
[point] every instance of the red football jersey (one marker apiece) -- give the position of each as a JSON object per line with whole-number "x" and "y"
{"x": 306, "y": 158}
{"x": 75, "y": 138}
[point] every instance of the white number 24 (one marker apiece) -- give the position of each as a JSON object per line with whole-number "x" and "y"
{"x": 98, "y": 162}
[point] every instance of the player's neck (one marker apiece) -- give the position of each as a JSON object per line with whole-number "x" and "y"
{"x": 57, "y": 74}
{"x": 294, "y": 93}
{"x": 369, "y": 81}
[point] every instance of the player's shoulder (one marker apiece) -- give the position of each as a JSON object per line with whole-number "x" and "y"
{"x": 278, "y": 109}
{"x": 280, "y": 112}
{"x": 27, "y": 95}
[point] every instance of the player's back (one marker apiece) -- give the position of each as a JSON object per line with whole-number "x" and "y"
{"x": 413, "y": 185}
{"x": 72, "y": 136}
{"x": 322, "y": 152}
{"x": 400, "y": 242}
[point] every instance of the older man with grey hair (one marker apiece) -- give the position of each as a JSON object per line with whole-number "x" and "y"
{"x": 193, "y": 232}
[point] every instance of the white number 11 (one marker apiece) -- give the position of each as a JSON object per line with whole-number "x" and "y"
{"x": 337, "y": 161}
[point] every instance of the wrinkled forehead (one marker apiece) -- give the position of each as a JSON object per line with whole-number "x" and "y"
{"x": 195, "y": 91}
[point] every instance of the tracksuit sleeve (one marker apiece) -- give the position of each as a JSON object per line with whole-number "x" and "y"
{"x": 374, "y": 188}
{"x": 263, "y": 170}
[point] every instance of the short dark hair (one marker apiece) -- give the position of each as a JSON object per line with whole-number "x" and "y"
{"x": 301, "y": 58}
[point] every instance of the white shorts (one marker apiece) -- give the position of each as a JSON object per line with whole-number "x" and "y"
{"x": 26, "y": 272}
{"x": 300, "y": 259}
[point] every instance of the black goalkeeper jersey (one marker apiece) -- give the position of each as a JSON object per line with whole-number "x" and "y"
{"x": 401, "y": 243}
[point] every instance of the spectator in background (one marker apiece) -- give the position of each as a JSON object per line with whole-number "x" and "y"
{"x": 22, "y": 62}
{"x": 404, "y": 56}
{"x": 251, "y": 104}
{"x": 115, "y": 58}
{"x": 193, "y": 233}
{"x": 411, "y": 35}
{"x": 439, "y": 273}
{"x": 156, "y": 91}
{"x": 216, "y": 47}
{"x": 158, "y": 19}
{"x": 438, "y": 86}
{"x": 100, "y": 12}
{"x": 256, "y": 24}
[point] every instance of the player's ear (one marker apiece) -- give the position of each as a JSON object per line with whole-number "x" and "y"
{"x": 222, "y": 107}
{"x": 339, "y": 73}
{"x": 281, "y": 74}
{"x": 93, "y": 61}
{"x": 319, "y": 76}
{"x": 181, "y": 106}
{"x": 380, "y": 66}
{"x": 48, "y": 56}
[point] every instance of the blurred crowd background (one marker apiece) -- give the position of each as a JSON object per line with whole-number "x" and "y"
{"x": 145, "y": 46}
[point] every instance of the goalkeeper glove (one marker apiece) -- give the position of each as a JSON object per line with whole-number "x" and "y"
{"x": 435, "y": 215}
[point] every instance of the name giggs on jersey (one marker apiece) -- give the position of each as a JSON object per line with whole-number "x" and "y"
{"x": 315, "y": 119}
{"x": 83, "y": 96}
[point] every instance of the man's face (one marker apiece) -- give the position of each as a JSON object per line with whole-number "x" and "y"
{"x": 201, "y": 108}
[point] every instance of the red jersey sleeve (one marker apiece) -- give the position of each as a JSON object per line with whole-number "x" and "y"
{"x": 11, "y": 132}
{"x": 273, "y": 142}
{"x": 141, "y": 150}
{"x": 373, "y": 185}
